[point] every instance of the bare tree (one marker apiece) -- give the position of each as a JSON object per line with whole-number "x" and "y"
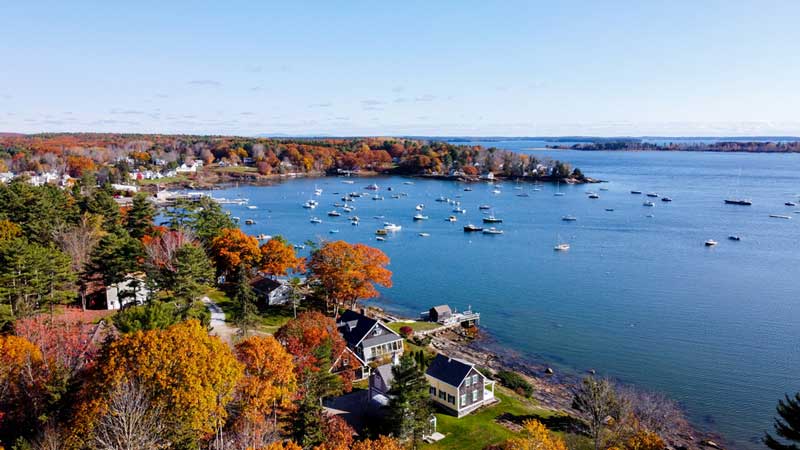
{"x": 654, "y": 411}
{"x": 78, "y": 242}
{"x": 597, "y": 401}
{"x": 49, "y": 439}
{"x": 130, "y": 423}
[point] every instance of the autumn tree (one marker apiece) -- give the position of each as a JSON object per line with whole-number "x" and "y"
{"x": 311, "y": 338}
{"x": 23, "y": 393}
{"x": 232, "y": 248}
{"x": 190, "y": 375}
{"x": 535, "y": 436}
{"x": 78, "y": 242}
{"x": 130, "y": 421}
{"x": 278, "y": 257}
{"x": 269, "y": 379}
{"x": 597, "y": 401}
{"x": 349, "y": 272}
{"x": 381, "y": 443}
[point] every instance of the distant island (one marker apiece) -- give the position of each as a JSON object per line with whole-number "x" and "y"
{"x": 777, "y": 145}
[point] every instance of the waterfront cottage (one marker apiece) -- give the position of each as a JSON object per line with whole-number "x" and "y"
{"x": 440, "y": 313}
{"x": 274, "y": 292}
{"x": 457, "y": 386}
{"x": 130, "y": 291}
{"x": 368, "y": 338}
{"x": 348, "y": 361}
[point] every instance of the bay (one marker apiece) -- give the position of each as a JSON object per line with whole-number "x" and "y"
{"x": 638, "y": 298}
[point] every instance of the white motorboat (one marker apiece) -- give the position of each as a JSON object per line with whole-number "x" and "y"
{"x": 334, "y": 213}
{"x": 392, "y": 227}
{"x": 372, "y": 187}
{"x": 424, "y": 234}
{"x": 492, "y": 230}
{"x": 780, "y": 216}
{"x": 452, "y": 219}
{"x": 710, "y": 243}
{"x": 561, "y": 247}
{"x": 420, "y": 217}
{"x": 569, "y": 218}
{"x": 460, "y": 210}
{"x": 252, "y": 207}
{"x": 648, "y": 204}
{"x": 316, "y": 220}
{"x": 420, "y": 207}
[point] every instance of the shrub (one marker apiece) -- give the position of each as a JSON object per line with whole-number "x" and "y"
{"x": 515, "y": 382}
{"x": 406, "y": 331}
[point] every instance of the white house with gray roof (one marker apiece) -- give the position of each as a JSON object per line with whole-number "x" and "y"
{"x": 457, "y": 386}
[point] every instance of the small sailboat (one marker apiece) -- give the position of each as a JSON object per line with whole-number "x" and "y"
{"x": 496, "y": 191}
{"x": 558, "y": 190}
{"x": 317, "y": 191}
{"x": 441, "y": 199}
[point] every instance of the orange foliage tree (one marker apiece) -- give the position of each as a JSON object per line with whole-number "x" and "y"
{"x": 269, "y": 379}
{"x": 189, "y": 375}
{"x": 306, "y": 335}
{"x": 349, "y": 272}
{"x": 278, "y": 257}
{"x": 231, "y": 248}
{"x": 382, "y": 443}
{"x": 23, "y": 392}
{"x": 535, "y": 437}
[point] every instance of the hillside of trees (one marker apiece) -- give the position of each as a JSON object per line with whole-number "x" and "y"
{"x": 112, "y": 156}
{"x": 790, "y": 146}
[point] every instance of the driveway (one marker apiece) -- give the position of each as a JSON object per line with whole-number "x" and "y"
{"x": 219, "y": 327}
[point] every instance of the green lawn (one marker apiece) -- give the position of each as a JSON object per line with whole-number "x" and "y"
{"x": 165, "y": 180}
{"x": 479, "y": 429}
{"x": 236, "y": 169}
{"x": 416, "y": 326}
{"x": 270, "y": 318}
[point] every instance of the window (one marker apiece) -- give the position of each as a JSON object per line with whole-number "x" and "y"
{"x": 463, "y": 399}
{"x": 443, "y": 395}
{"x": 451, "y": 399}
{"x": 433, "y": 390}
{"x": 467, "y": 382}
{"x": 475, "y": 396}
{"x": 346, "y": 362}
{"x": 475, "y": 379}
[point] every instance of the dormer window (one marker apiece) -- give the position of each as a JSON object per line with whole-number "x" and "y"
{"x": 378, "y": 331}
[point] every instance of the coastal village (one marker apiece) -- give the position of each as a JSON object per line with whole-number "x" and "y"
{"x": 308, "y": 361}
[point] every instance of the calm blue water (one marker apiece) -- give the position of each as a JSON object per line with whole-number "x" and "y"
{"x": 637, "y": 298}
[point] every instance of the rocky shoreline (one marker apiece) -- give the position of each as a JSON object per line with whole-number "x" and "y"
{"x": 552, "y": 389}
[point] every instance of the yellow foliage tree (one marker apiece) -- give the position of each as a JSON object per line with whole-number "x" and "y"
{"x": 535, "y": 437}
{"x": 188, "y": 374}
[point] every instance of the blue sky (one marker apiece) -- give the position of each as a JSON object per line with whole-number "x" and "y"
{"x": 412, "y": 68}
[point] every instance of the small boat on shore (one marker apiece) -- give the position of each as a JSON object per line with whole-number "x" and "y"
{"x": 492, "y": 230}
{"x": 569, "y": 218}
{"x": 469, "y": 228}
{"x": 492, "y": 219}
{"x": 742, "y": 202}
{"x": 710, "y": 243}
{"x": 780, "y": 216}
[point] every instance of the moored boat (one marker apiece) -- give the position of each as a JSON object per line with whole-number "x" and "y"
{"x": 334, "y": 213}
{"x": 561, "y": 247}
{"x": 780, "y": 216}
{"x": 316, "y": 220}
{"x": 420, "y": 217}
{"x": 710, "y": 243}
{"x": 469, "y": 228}
{"x": 734, "y": 237}
{"x": 742, "y": 202}
{"x": 569, "y": 218}
{"x": 492, "y": 219}
{"x": 492, "y": 230}
{"x": 648, "y": 204}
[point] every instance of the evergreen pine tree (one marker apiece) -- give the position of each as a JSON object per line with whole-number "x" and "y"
{"x": 409, "y": 407}
{"x": 139, "y": 219}
{"x": 192, "y": 273}
{"x": 245, "y": 300}
{"x": 787, "y": 425}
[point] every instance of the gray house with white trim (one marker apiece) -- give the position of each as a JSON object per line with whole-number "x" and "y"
{"x": 457, "y": 386}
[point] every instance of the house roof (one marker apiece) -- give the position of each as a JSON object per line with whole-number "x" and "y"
{"x": 354, "y": 327}
{"x": 385, "y": 372}
{"x": 264, "y": 285}
{"x": 442, "y": 309}
{"x": 450, "y": 370}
